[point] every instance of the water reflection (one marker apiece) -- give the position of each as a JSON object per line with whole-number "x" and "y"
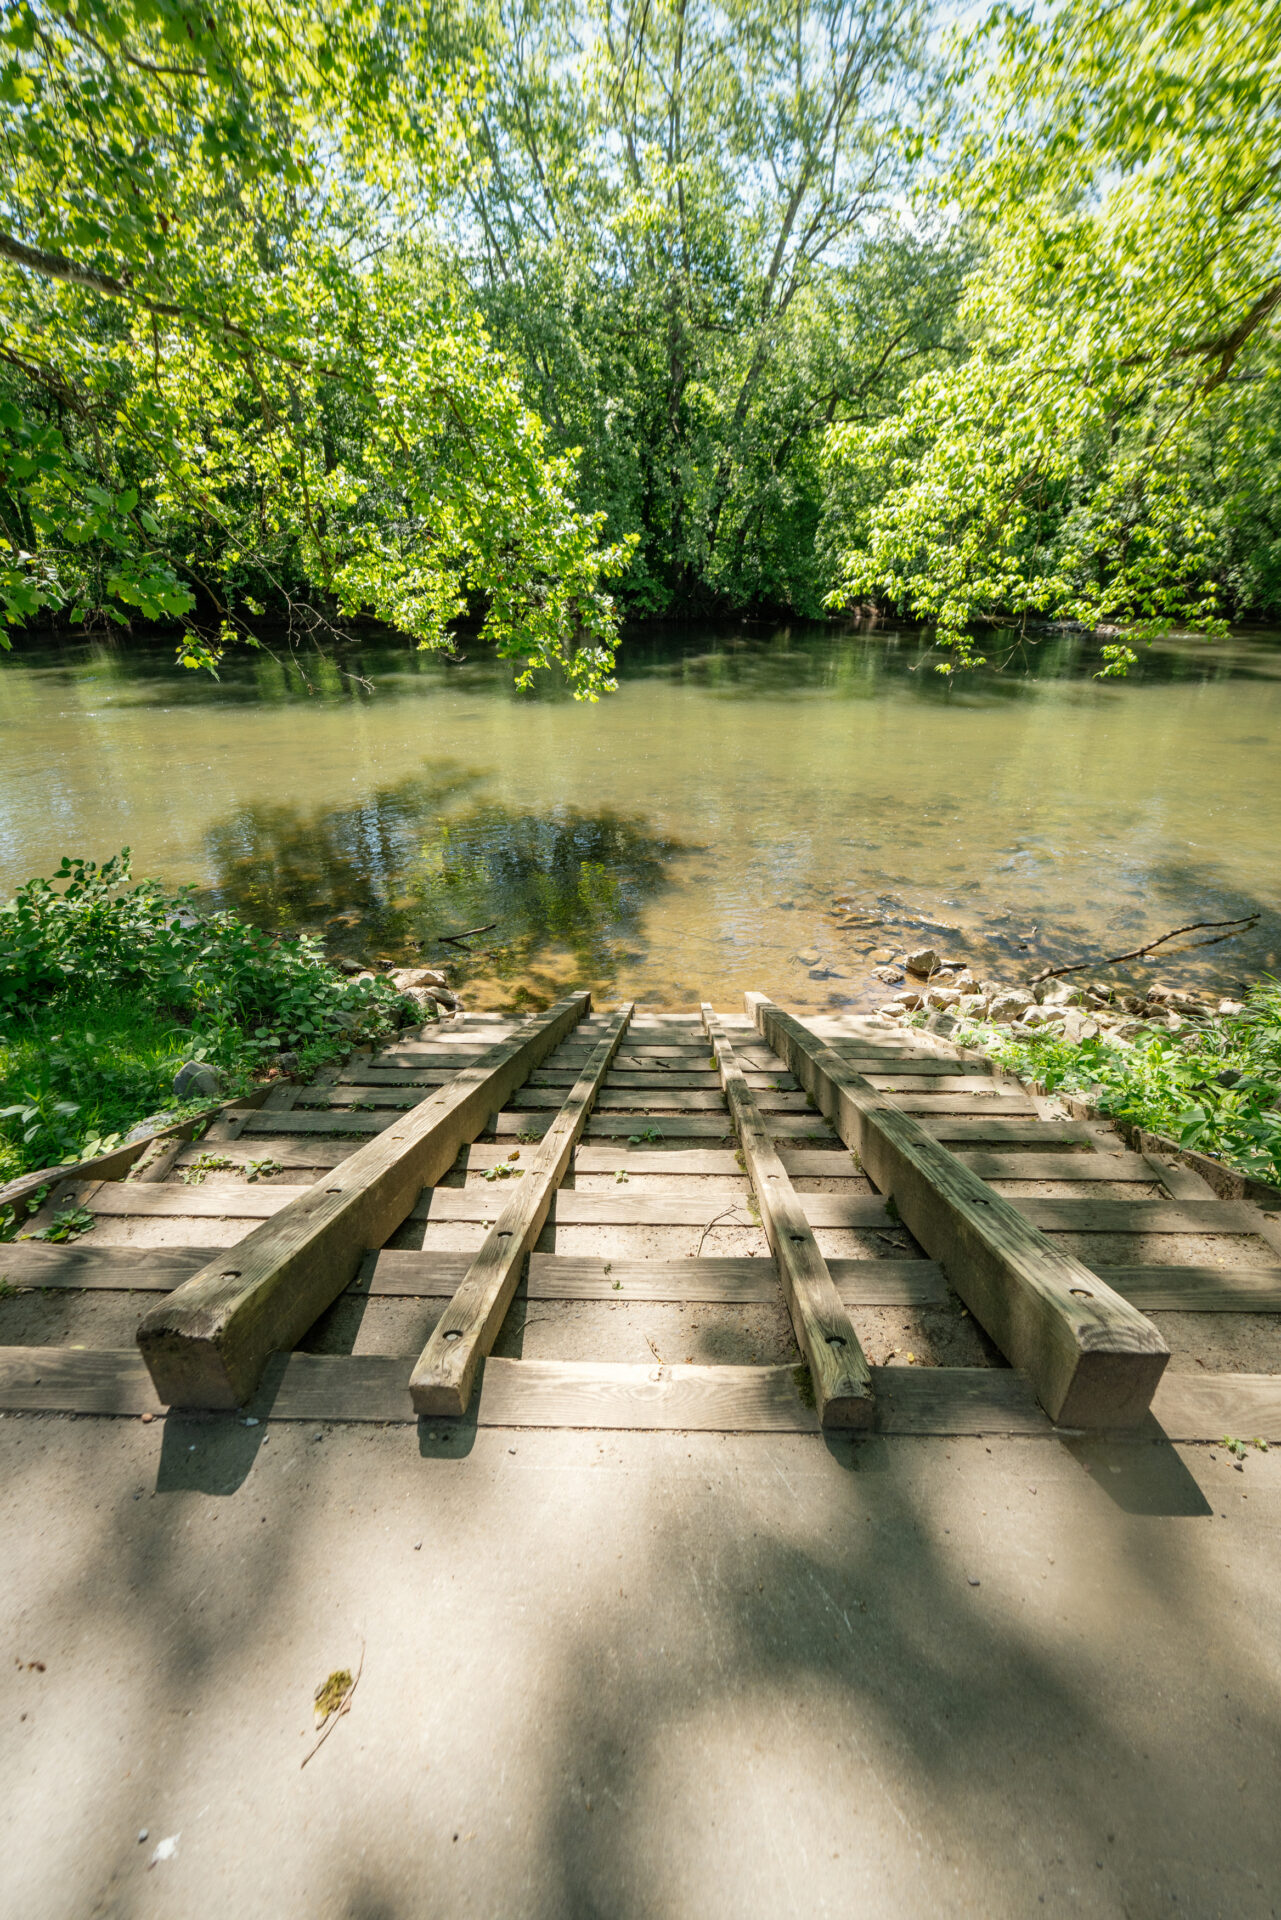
{"x": 386, "y": 877}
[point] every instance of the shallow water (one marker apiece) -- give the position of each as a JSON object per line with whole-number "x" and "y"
{"x": 745, "y": 812}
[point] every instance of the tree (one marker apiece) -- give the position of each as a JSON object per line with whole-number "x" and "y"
{"x": 682, "y": 220}
{"x": 1123, "y": 178}
{"x": 226, "y": 370}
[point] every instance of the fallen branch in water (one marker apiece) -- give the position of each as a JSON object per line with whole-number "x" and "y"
{"x": 456, "y": 939}
{"x": 1239, "y": 925}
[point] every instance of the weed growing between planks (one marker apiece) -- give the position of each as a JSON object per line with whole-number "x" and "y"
{"x": 106, "y": 987}
{"x": 1213, "y": 1086}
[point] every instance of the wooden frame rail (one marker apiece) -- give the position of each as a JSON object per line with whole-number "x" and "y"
{"x": 208, "y": 1343}
{"x": 841, "y": 1377}
{"x": 1093, "y": 1358}
{"x": 445, "y": 1375}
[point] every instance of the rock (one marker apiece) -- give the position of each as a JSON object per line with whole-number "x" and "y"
{"x": 964, "y": 981}
{"x": 344, "y": 965}
{"x": 941, "y": 1022}
{"x": 971, "y": 1006}
{"x": 287, "y": 1062}
{"x": 892, "y": 1011}
{"x": 923, "y": 962}
{"x": 808, "y": 957}
{"x": 404, "y": 978}
{"x": 908, "y": 1002}
{"x": 195, "y": 1080}
{"x": 889, "y": 975}
{"x": 942, "y": 997}
{"x": 1077, "y": 1027}
{"x": 1229, "y": 1009}
{"x": 1059, "y": 994}
{"x": 1037, "y": 1017}
{"x": 1011, "y": 1003}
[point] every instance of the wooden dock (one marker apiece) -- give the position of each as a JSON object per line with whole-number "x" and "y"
{"x": 643, "y": 1219}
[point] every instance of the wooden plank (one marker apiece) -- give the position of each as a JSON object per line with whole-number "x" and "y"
{"x": 31, "y": 1263}
{"x": 687, "y": 1126}
{"x": 969, "y": 1129}
{"x": 704, "y": 1161}
{"x": 1005, "y": 1106}
{"x": 1198, "y": 1289}
{"x": 1206, "y": 1406}
{"x": 1057, "y": 1166}
{"x": 1092, "y": 1357}
{"x": 289, "y": 1153}
{"x": 1139, "y": 1216}
{"x": 445, "y": 1374}
{"x": 574, "y": 1209}
{"x": 822, "y": 1325}
{"x": 651, "y": 1397}
{"x": 207, "y": 1344}
{"x": 124, "y": 1200}
{"x": 332, "y": 1120}
{"x": 910, "y": 1401}
{"x": 725, "y": 1282}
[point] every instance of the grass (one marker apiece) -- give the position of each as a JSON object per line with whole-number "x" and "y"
{"x": 106, "y": 988}
{"x": 1215, "y": 1086}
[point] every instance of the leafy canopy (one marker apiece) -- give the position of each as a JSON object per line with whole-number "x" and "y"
{"x": 224, "y": 369}
{"x": 1120, "y": 168}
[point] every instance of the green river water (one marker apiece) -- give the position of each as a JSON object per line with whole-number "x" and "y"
{"x": 765, "y": 811}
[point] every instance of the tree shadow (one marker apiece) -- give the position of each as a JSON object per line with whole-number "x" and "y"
{"x": 560, "y": 894}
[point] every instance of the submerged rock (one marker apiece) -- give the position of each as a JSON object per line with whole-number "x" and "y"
{"x": 923, "y": 962}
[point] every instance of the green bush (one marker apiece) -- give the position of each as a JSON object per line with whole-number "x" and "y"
{"x": 1215, "y": 1088}
{"x": 107, "y": 987}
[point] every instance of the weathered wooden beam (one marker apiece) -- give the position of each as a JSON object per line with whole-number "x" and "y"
{"x": 443, "y": 1379}
{"x": 1092, "y": 1357}
{"x": 825, "y": 1333}
{"x": 207, "y": 1345}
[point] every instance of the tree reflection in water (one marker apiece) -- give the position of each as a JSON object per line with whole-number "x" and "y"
{"x": 385, "y": 877}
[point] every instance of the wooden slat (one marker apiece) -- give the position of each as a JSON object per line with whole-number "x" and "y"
{"x": 124, "y": 1200}
{"x": 333, "y": 1120}
{"x": 153, "y": 1269}
{"x": 443, "y": 1379}
{"x": 1057, "y": 1166}
{"x": 725, "y": 1282}
{"x": 1198, "y": 1289}
{"x": 911, "y": 1401}
{"x": 289, "y": 1153}
{"x": 822, "y": 1325}
{"x": 685, "y": 1126}
{"x": 969, "y": 1129}
{"x": 660, "y": 1099}
{"x": 208, "y": 1343}
{"x": 930, "y": 1105}
{"x": 812, "y": 1162}
{"x": 778, "y": 1081}
{"x": 1093, "y": 1357}
{"x": 573, "y": 1209}
{"x": 1139, "y": 1216}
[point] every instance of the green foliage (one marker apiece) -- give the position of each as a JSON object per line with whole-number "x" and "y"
{"x": 1094, "y": 453}
{"x": 106, "y": 988}
{"x": 225, "y": 374}
{"x": 683, "y": 222}
{"x": 1172, "y": 1083}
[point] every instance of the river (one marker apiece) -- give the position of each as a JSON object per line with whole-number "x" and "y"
{"x": 770, "y": 809}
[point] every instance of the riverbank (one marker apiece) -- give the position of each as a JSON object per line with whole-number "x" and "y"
{"x": 1203, "y": 1072}
{"x": 110, "y": 988}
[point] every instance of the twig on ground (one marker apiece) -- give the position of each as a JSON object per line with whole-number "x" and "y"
{"x": 338, "y": 1712}
{"x": 723, "y": 1215}
{"x": 1240, "y": 925}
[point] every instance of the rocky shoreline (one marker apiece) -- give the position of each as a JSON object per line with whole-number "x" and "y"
{"x": 1076, "y": 1010}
